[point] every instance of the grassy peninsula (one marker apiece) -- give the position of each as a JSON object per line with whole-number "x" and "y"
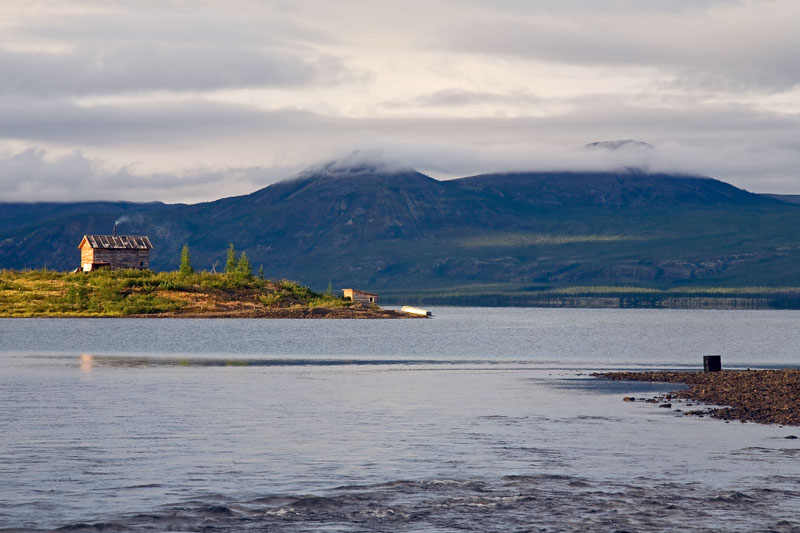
{"x": 143, "y": 293}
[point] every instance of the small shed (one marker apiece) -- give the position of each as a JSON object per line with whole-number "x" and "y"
{"x": 115, "y": 251}
{"x": 363, "y": 297}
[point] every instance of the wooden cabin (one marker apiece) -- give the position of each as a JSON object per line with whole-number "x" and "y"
{"x": 360, "y": 296}
{"x": 114, "y": 251}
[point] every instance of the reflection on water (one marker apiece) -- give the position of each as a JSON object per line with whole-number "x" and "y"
{"x": 87, "y": 362}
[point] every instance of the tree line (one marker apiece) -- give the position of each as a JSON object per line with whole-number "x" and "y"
{"x": 239, "y": 266}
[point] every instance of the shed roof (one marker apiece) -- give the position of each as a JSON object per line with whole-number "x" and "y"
{"x": 117, "y": 242}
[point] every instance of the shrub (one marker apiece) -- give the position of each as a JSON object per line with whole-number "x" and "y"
{"x": 78, "y": 295}
{"x": 296, "y": 290}
{"x": 144, "y": 304}
{"x": 271, "y": 299}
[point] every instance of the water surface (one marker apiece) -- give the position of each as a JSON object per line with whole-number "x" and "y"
{"x": 478, "y": 419}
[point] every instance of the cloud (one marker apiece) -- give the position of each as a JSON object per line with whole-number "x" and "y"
{"x": 753, "y": 149}
{"x": 141, "y": 47}
{"x": 36, "y": 175}
{"x": 457, "y": 97}
{"x": 156, "y": 121}
{"x": 162, "y": 100}
{"x": 733, "y": 45}
{"x": 740, "y": 165}
{"x": 155, "y": 67}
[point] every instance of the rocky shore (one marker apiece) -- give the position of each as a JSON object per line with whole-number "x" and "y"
{"x": 762, "y": 396}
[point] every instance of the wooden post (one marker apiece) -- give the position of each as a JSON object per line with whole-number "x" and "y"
{"x": 712, "y": 363}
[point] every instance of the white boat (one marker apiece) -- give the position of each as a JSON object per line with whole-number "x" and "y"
{"x": 414, "y": 311}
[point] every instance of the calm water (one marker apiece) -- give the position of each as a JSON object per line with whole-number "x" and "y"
{"x": 478, "y": 419}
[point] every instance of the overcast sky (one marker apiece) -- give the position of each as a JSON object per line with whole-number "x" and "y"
{"x": 185, "y": 101}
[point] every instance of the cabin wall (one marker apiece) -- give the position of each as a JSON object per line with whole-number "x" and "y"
{"x": 125, "y": 258}
{"x": 87, "y": 255}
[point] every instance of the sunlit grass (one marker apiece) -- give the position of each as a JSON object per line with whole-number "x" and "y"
{"x": 33, "y": 293}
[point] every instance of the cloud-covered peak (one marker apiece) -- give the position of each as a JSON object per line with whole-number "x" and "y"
{"x": 358, "y": 164}
{"x": 626, "y": 144}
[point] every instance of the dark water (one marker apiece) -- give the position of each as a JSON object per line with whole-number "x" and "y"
{"x": 482, "y": 420}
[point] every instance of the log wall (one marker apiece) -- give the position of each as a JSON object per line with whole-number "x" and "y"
{"x": 124, "y": 258}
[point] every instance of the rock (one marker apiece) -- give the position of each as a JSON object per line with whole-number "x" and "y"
{"x": 762, "y": 396}
{"x": 629, "y": 399}
{"x": 790, "y": 437}
{"x": 666, "y": 405}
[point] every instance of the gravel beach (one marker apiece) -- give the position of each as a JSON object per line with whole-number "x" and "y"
{"x": 762, "y": 396}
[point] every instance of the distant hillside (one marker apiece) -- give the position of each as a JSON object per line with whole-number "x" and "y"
{"x": 401, "y": 230}
{"x": 789, "y": 198}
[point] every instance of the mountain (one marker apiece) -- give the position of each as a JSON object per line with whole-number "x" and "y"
{"x": 396, "y": 229}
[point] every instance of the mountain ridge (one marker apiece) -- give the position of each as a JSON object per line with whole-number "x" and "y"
{"x": 398, "y": 228}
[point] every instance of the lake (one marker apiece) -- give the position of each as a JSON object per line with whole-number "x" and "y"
{"x": 476, "y": 419}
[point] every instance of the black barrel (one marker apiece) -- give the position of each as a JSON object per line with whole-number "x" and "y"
{"x": 712, "y": 363}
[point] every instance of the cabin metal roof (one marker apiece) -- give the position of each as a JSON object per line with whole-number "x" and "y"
{"x": 117, "y": 242}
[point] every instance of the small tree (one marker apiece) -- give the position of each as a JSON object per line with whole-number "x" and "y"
{"x": 261, "y": 271}
{"x": 243, "y": 267}
{"x": 186, "y": 261}
{"x": 231, "y": 263}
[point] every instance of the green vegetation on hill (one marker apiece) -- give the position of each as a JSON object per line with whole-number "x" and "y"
{"x": 36, "y": 293}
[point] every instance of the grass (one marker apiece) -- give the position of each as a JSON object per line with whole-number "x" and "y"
{"x": 110, "y": 293}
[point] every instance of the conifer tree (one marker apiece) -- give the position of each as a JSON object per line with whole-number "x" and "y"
{"x": 243, "y": 266}
{"x": 231, "y": 263}
{"x": 186, "y": 261}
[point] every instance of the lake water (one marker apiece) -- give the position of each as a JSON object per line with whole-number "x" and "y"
{"x": 476, "y": 419}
